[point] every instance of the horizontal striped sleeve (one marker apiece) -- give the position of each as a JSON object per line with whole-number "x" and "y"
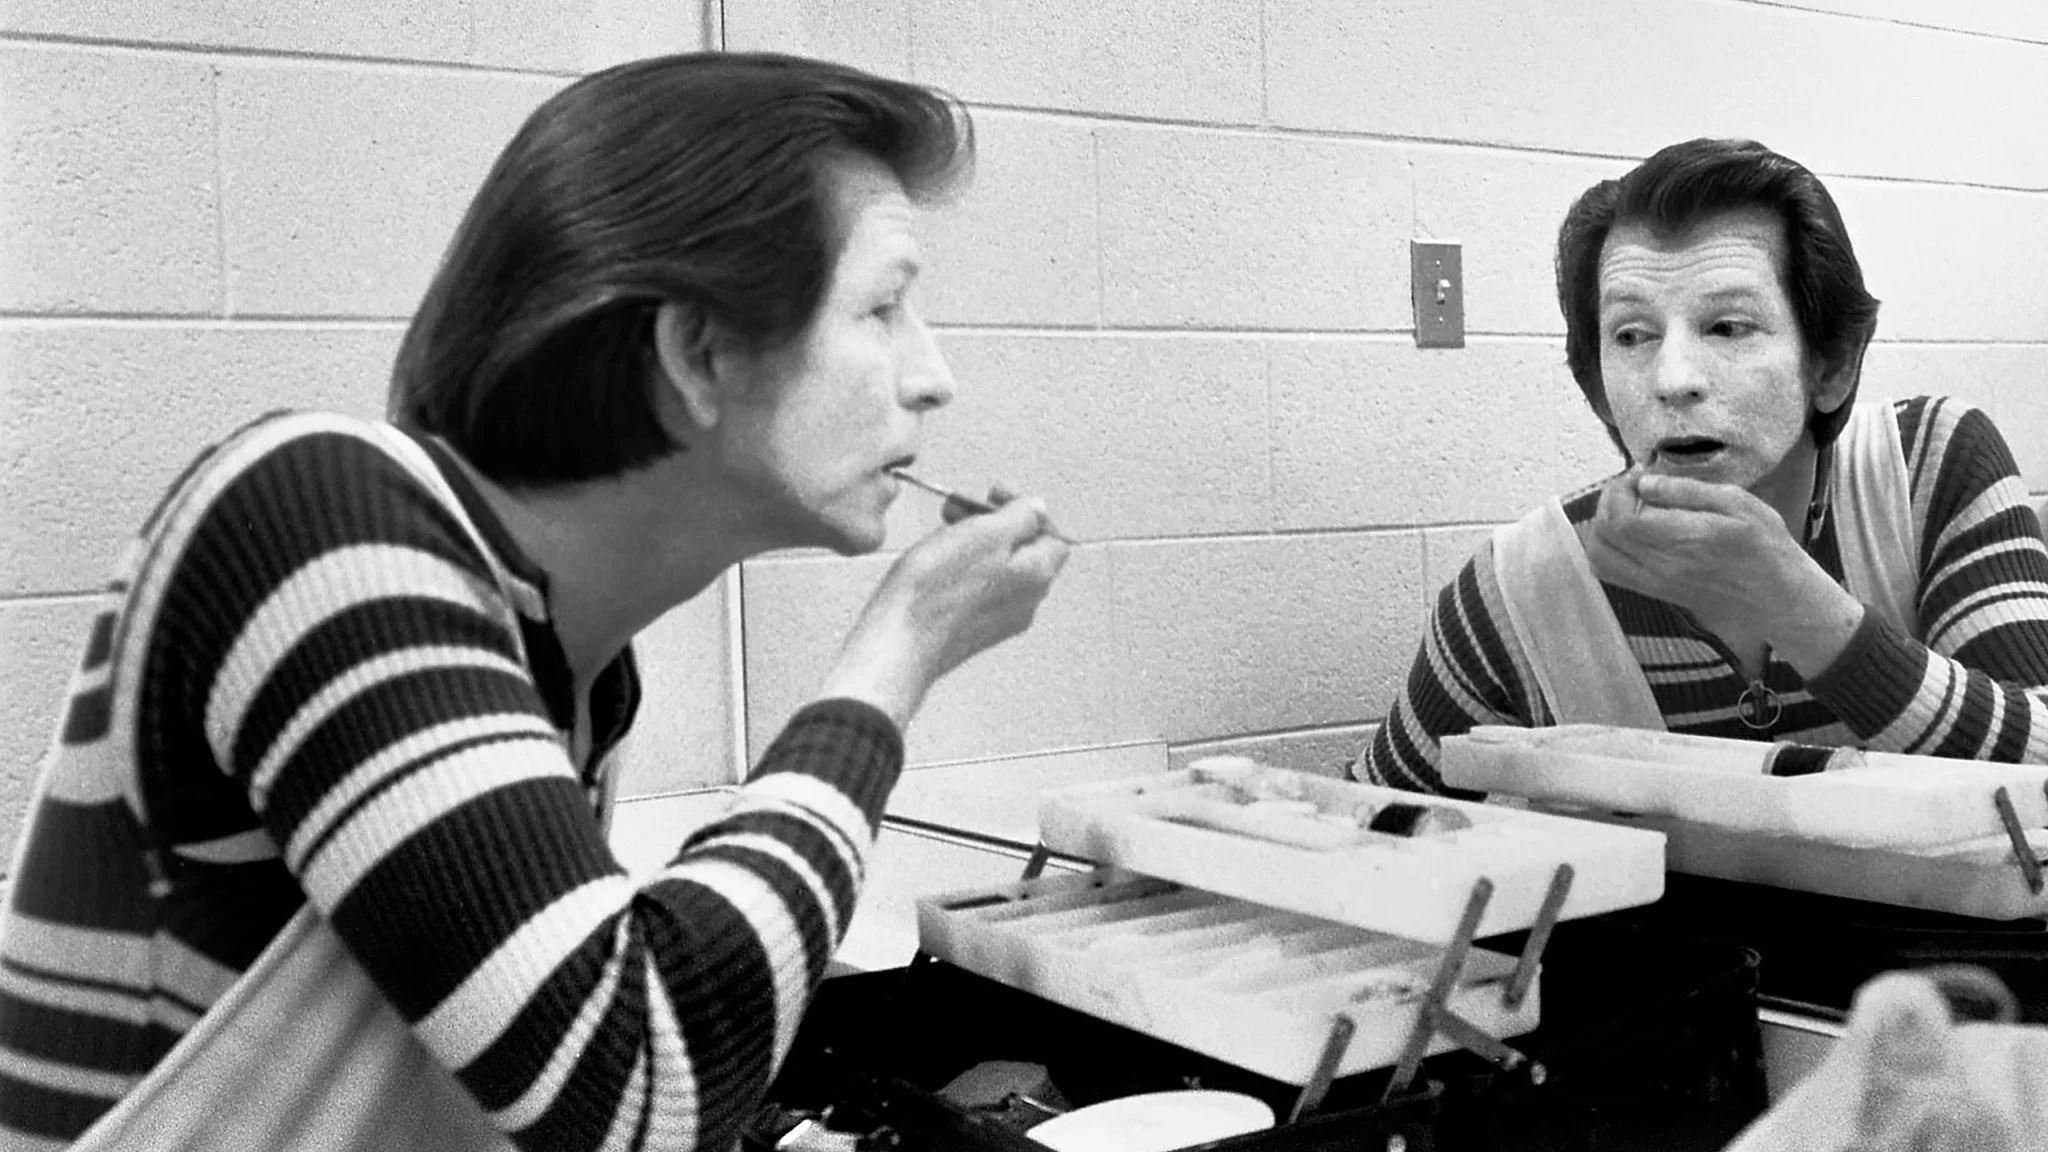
{"x": 850, "y": 746}
{"x": 1469, "y": 670}
{"x": 1974, "y": 683}
{"x": 343, "y": 653}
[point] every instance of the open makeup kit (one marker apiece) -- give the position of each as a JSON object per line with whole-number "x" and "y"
{"x": 1359, "y": 967}
{"x": 1832, "y": 865}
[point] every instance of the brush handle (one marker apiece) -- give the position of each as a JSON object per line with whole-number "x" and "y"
{"x": 968, "y": 505}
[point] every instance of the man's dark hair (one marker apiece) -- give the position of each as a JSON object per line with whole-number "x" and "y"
{"x": 1681, "y": 186}
{"x": 705, "y": 179}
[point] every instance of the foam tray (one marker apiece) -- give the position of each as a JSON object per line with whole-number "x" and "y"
{"x": 1181, "y": 826}
{"x": 1879, "y": 800}
{"x": 1254, "y": 986}
{"x": 1976, "y": 877}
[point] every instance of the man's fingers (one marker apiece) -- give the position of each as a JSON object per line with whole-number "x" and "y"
{"x": 1686, "y": 493}
{"x": 1032, "y": 520}
{"x": 956, "y": 509}
{"x": 1615, "y": 566}
{"x": 1017, "y": 521}
{"x": 1618, "y": 499}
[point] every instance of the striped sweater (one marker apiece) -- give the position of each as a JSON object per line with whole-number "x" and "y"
{"x": 307, "y": 685}
{"x": 1974, "y": 686}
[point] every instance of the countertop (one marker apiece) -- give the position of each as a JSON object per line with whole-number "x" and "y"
{"x": 948, "y": 827}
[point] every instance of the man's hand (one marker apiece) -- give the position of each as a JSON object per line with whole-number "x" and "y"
{"x": 1721, "y": 553}
{"x": 964, "y": 588}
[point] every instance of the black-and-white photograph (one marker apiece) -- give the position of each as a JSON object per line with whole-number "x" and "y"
{"x": 1023, "y": 576}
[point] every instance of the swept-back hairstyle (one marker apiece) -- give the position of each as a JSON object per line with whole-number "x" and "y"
{"x": 1684, "y": 184}
{"x": 704, "y": 179}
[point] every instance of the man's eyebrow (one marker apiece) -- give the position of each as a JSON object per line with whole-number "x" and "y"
{"x": 1736, "y": 292}
{"x": 1610, "y": 296}
{"x": 1733, "y": 293}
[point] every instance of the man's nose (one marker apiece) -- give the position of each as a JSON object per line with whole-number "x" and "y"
{"x": 927, "y": 381}
{"x": 1680, "y": 374}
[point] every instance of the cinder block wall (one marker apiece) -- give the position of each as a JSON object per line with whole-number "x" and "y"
{"x": 1177, "y": 304}
{"x": 1176, "y": 299}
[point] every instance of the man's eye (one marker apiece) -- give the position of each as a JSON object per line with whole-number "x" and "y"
{"x": 1731, "y": 329}
{"x": 1628, "y": 337}
{"x": 886, "y": 311}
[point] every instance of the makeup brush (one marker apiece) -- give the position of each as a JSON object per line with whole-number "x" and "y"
{"x": 969, "y": 504}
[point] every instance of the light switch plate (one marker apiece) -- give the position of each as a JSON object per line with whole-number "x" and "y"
{"x": 1437, "y": 281}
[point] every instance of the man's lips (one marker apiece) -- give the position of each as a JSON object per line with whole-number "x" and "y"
{"x": 1683, "y": 450}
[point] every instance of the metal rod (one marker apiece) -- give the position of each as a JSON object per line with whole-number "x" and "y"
{"x": 1468, "y": 1036}
{"x": 1318, "y": 1086}
{"x": 2030, "y": 868}
{"x": 1447, "y": 973}
{"x": 1539, "y": 936}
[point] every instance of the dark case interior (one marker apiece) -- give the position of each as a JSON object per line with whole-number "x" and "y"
{"x": 1649, "y": 1040}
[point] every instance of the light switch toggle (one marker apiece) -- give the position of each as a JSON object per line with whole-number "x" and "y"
{"x": 1436, "y": 278}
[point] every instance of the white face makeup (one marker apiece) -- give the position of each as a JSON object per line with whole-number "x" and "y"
{"x": 1704, "y": 365}
{"x": 819, "y": 422}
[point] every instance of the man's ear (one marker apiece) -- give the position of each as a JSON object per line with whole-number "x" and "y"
{"x": 684, "y": 345}
{"x": 1834, "y": 383}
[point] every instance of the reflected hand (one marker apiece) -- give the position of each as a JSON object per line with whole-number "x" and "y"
{"x": 1724, "y": 555}
{"x": 1714, "y": 549}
